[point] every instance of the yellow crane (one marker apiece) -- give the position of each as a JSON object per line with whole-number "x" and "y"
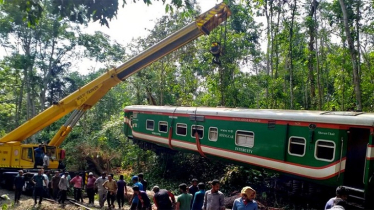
{"x": 14, "y": 155}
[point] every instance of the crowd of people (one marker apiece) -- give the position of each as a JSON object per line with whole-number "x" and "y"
{"x": 194, "y": 197}
{"x": 45, "y": 186}
{"x": 191, "y": 198}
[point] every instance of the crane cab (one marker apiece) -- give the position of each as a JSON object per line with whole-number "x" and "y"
{"x": 14, "y": 155}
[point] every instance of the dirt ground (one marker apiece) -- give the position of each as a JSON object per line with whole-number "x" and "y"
{"x": 27, "y": 203}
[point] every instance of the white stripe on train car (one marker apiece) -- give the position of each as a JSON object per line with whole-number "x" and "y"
{"x": 370, "y": 152}
{"x": 319, "y": 173}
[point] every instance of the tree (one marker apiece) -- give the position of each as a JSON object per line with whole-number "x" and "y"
{"x": 82, "y": 11}
{"x": 353, "y": 53}
{"x": 311, "y": 24}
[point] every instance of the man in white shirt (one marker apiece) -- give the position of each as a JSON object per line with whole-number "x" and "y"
{"x": 45, "y": 184}
{"x": 45, "y": 162}
{"x": 101, "y": 189}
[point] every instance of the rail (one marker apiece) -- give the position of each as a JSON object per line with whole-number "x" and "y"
{"x": 72, "y": 201}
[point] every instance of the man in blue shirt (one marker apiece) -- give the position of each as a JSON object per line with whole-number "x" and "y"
{"x": 38, "y": 154}
{"x": 38, "y": 180}
{"x": 246, "y": 201}
{"x": 121, "y": 192}
{"x": 19, "y": 182}
{"x": 135, "y": 200}
{"x": 144, "y": 203}
{"x": 198, "y": 199}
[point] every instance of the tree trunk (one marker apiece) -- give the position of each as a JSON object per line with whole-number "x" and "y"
{"x": 290, "y": 54}
{"x": 358, "y": 37}
{"x": 19, "y": 100}
{"x": 356, "y": 76}
{"x": 221, "y": 73}
{"x": 323, "y": 65}
{"x": 267, "y": 48}
{"x": 312, "y": 54}
{"x": 317, "y": 59}
{"x": 47, "y": 78}
{"x": 162, "y": 83}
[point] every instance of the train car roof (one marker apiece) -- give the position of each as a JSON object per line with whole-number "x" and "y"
{"x": 331, "y": 117}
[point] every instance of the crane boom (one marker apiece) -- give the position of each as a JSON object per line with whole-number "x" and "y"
{"x": 85, "y": 97}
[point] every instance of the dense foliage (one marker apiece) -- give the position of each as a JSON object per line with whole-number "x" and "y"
{"x": 311, "y": 55}
{"x": 81, "y": 11}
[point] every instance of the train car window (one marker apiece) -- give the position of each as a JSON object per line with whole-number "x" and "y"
{"x": 199, "y": 129}
{"x": 245, "y": 138}
{"x": 27, "y": 154}
{"x": 296, "y": 146}
{"x": 325, "y": 150}
{"x": 163, "y": 127}
{"x": 181, "y": 129}
{"x": 213, "y": 134}
{"x": 150, "y": 125}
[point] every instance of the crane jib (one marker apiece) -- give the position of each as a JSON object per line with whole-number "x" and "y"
{"x": 88, "y": 95}
{"x": 158, "y": 54}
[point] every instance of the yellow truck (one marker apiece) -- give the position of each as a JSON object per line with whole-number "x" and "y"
{"x": 14, "y": 155}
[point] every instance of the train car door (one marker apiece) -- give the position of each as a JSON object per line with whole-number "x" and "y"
{"x": 358, "y": 139}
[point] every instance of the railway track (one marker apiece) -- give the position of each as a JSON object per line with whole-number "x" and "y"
{"x": 72, "y": 201}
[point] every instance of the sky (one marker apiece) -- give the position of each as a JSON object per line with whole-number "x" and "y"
{"x": 131, "y": 22}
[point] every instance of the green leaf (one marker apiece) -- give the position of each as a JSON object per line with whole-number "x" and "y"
{"x": 166, "y": 8}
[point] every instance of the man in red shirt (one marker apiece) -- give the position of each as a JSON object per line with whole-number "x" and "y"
{"x": 90, "y": 188}
{"x": 77, "y": 182}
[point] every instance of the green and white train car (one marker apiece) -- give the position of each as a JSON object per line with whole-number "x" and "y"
{"x": 327, "y": 148}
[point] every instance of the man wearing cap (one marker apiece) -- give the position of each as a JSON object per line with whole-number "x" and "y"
{"x": 63, "y": 185}
{"x": 162, "y": 199}
{"x": 90, "y": 188}
{"x": 214, "y": 199}
{"x": 101, "y": 189}
{"x": 135, "y": 200}
{"x": 246, "y": 201}
{"x": 19, "y": 182}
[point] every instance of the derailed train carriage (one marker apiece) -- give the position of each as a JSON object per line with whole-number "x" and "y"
{"x": 326, "y": 148}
